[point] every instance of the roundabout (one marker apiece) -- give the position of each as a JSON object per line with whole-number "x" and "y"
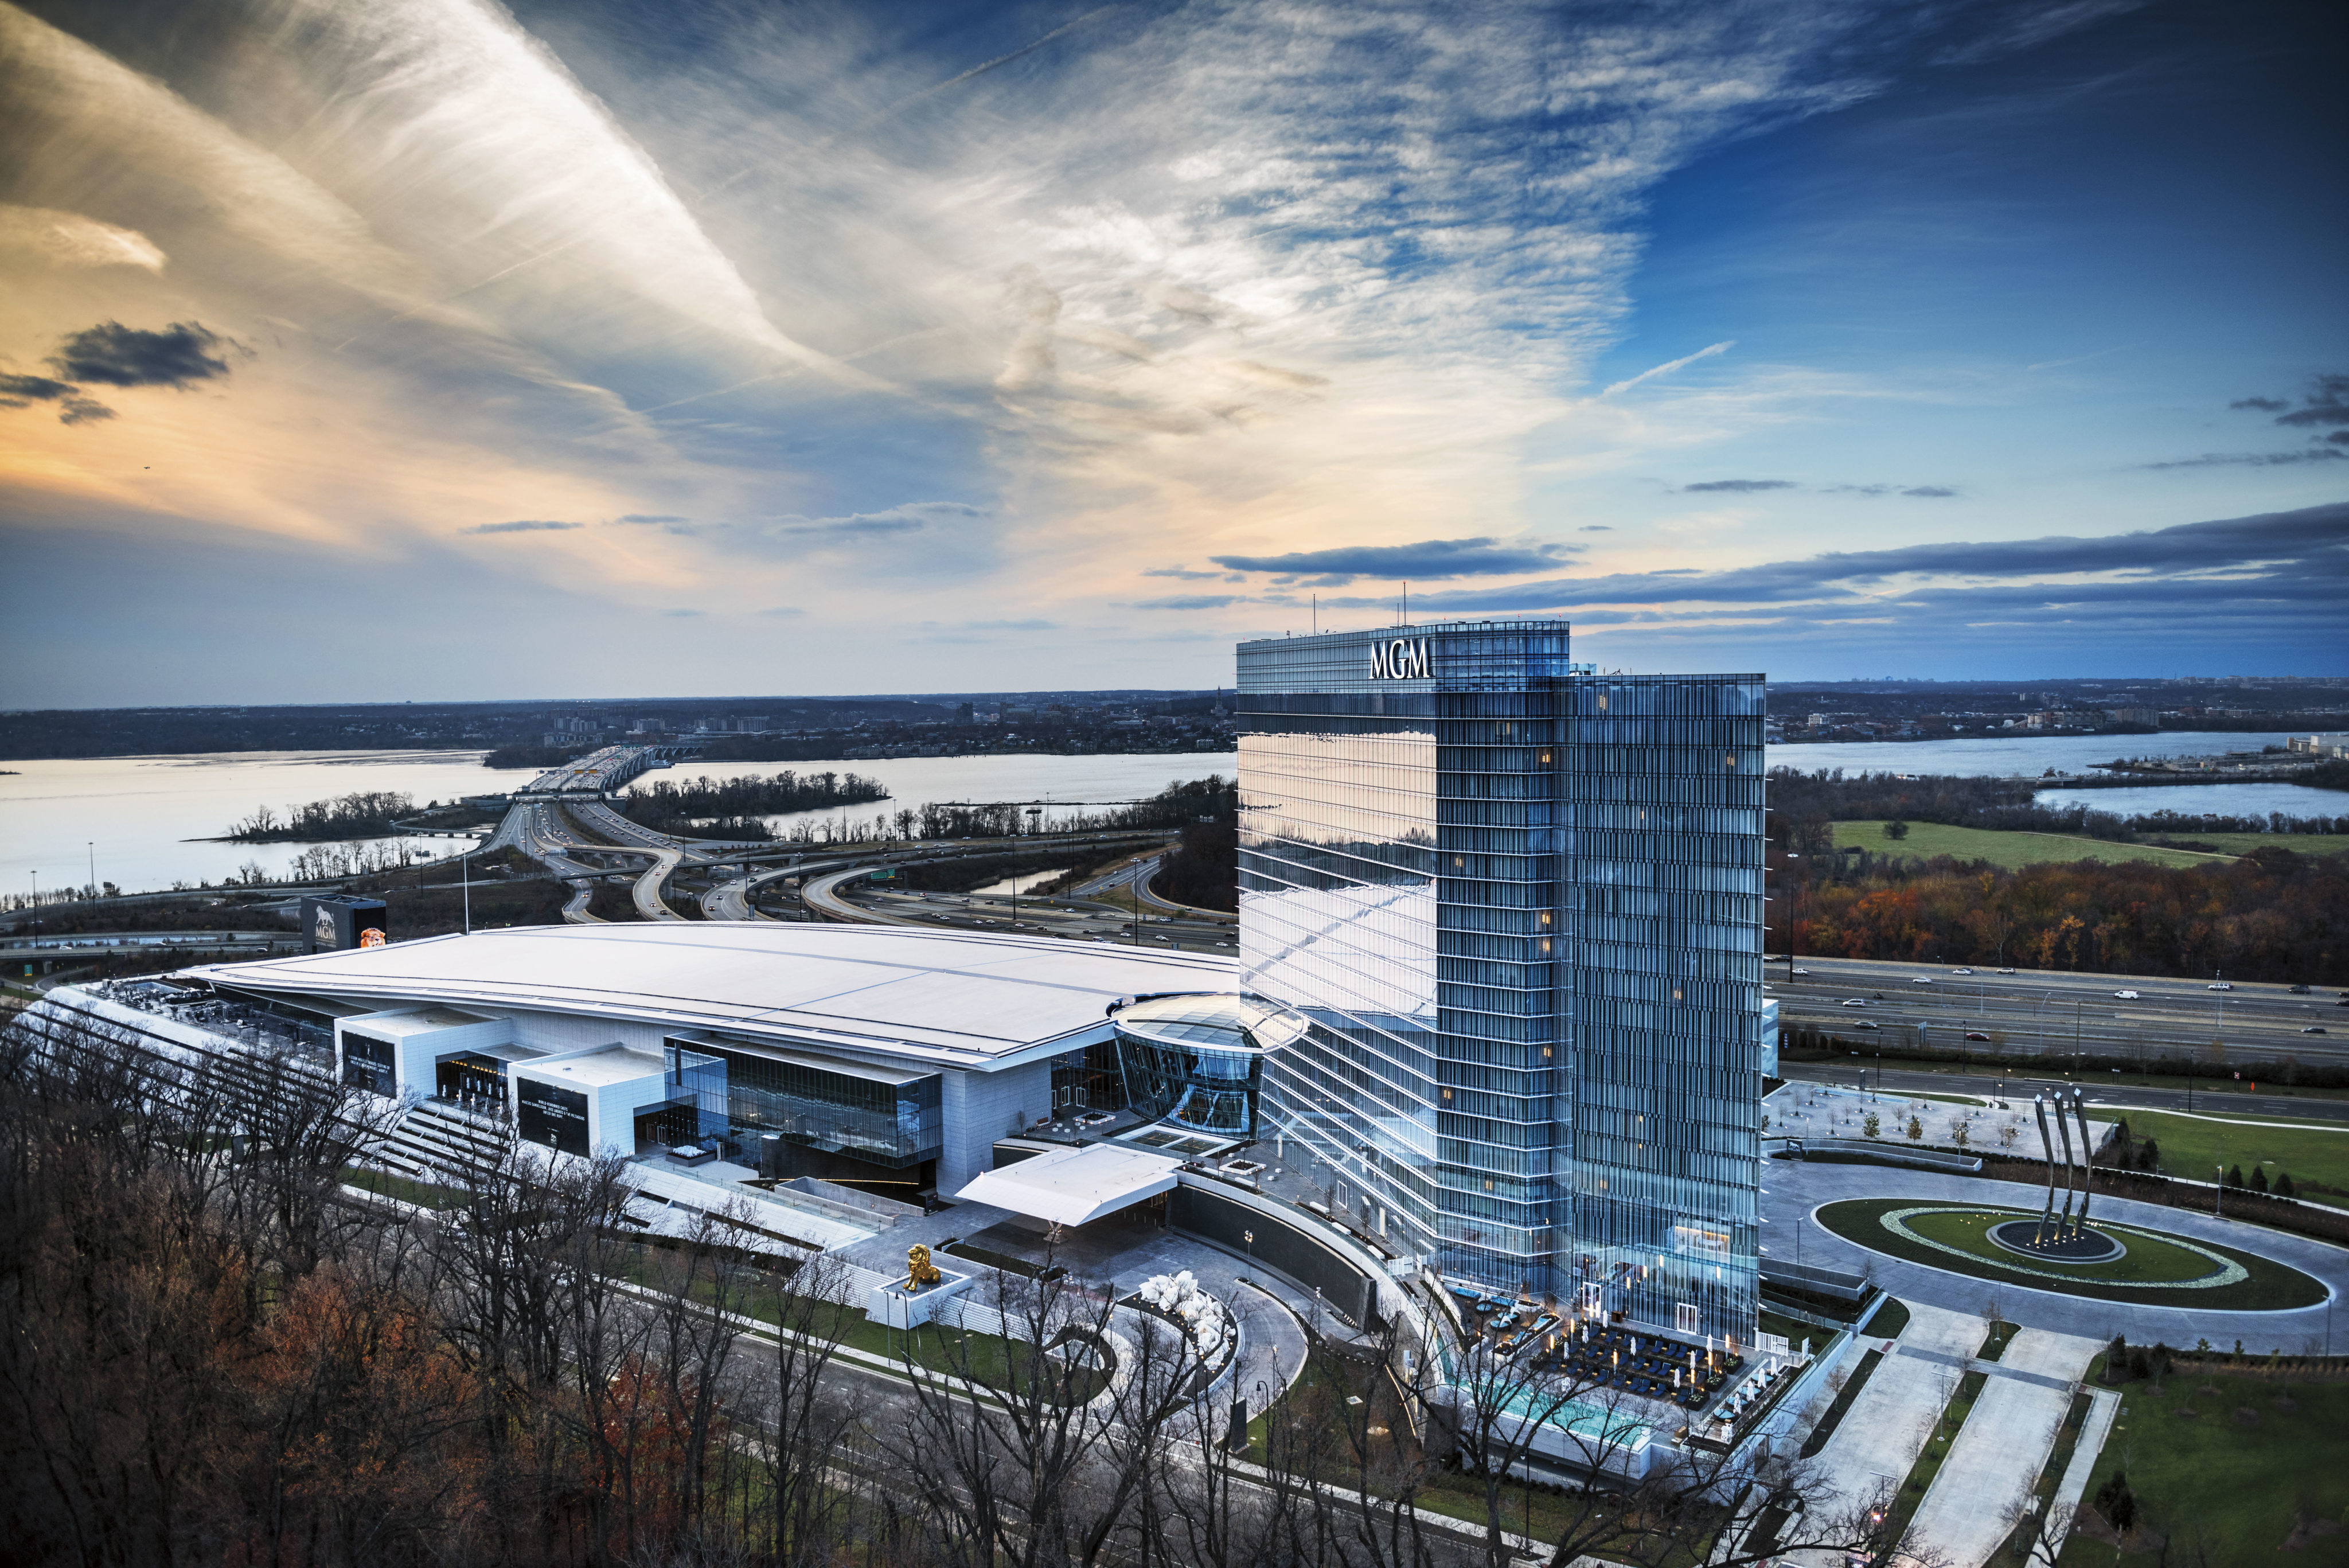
{"x": 2113, "y": 1263}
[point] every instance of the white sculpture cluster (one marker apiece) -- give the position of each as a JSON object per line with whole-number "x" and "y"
{"x": 1201, "y": 1314}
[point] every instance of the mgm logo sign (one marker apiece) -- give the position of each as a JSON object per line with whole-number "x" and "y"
{"x": 1404, "y": 659}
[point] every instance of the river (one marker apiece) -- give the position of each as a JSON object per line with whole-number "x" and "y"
{"x": 138, "y": 816}
{"x": 2021, "y": 757}
{"x": 138, "y": 819}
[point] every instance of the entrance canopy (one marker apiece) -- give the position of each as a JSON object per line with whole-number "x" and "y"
{"x": 1072, "y": 1186}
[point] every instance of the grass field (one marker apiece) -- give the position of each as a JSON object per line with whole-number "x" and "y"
{"x": 2152, "y": 1262}
{"x": 2196, "y": 1146}
{"x": 2010, "y": 850}
{"x": 2234, "y": 1485}
{"x": 2298, "y": 843}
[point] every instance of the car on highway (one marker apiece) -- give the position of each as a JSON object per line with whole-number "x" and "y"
{"x": 1800, "y": 971}
{"x": 1856, "y": 1001}
{"x": 2006, "y": 971}
{"x": 2218, "y": 985}
{"x": 1867, "y": 1023}
{"x": 2127, "y": 995}
{"x": 2313, "y": 1029}
{"x": 1961, "y": 972}
{"x": 1976, "y": 1034}
{"x": 2299, "y": 991}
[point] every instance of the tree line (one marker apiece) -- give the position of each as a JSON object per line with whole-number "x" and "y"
{"x": 2271, "y": 915}
{"x": 1805, "y": 802}
{"x": 366, "y": 813}
{"x": 731, "y": 808}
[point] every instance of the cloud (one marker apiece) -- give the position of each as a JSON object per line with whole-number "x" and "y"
{"x": 649, "y": 517}
{"x": 2327, "y": 403}
{"x": 2252, "y": 459}
{"x": 120, "y": 355}
{"x": 1029, "y": 625}
{"x": 82, "y": 411}
{"x": 2281, "y": 553}
{"x": 909, "y": 518}
{"x": 1194, "y": 602}
{"x": 521, "y": 525}
{"x": 782, "y": 612}
{"x": 683, "y": 614}
{"x": 1669, "y": 366}
{"x": 70, "y": 240}
{"x": 1183, "y": 574}
{"x": 1432, "y": 560}
{"x": 20, "y": 389}
{"x": 1929, "y": 491}
{"x": 2265, "y": 405}
{"x": 1740, "y": 486}
{"x": 1597, "y": 528}
{"x": 1922, "y": 492}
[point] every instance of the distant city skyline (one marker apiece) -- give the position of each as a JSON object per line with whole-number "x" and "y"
{"x": 430, "y": 349}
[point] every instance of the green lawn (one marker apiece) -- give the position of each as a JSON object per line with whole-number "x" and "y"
{"x": 2196, "y": 1146}
{"x": 2011, "y": 850}
{"x": 2298, "y": 843}
{"x": 2150, "y": 1261}
{"x": 2235, "y": 1487}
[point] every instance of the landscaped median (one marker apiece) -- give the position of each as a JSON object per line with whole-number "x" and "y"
{"x": 2154, "y": 1269}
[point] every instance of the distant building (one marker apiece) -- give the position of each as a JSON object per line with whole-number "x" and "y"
{"x": 2332, "y": 745}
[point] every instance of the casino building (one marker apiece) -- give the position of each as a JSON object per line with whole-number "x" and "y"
{"x": 1520, "y": 902}
{"x": 875, "y": 1054}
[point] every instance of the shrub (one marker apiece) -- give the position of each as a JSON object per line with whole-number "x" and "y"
{"x": 2117, "y": 1502}
{"x": 2284, "y": 1187}
{"x": 2259, "y": 1179}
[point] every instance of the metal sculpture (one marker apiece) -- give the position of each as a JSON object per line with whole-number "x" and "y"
{"x": 2064, "y": 1132}
{"x": 920, "y": 1272}
{"x": 2047, "y": 1216}
{"x": 2087, "y": 1160}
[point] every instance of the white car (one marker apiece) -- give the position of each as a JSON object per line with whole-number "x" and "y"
{"x": 1961, "y": 972}
{"x": 2006, "y": 971}
{"x": 1856, "y": 1001}
{"x": 2125, "y": 995}
{"x": 1801, "y": 971}
{"x": 2219, "y": 985}
{"x": 1921, "y": 980}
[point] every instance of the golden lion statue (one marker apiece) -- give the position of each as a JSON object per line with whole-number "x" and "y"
{"x": 919, "y": 1269}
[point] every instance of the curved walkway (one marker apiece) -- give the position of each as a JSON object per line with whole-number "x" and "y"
{"x": 1794, "y": 1190}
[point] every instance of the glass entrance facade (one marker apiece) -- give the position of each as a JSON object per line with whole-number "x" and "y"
{"x": 1521, "y": 904}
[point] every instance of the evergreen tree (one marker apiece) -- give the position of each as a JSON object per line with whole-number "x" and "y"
{"x": 2234, "y": 1176}
{"x": 2117, "y": 1502}
{"x": 2259, "y": 1179}
{"x": 2284, "y": 1187}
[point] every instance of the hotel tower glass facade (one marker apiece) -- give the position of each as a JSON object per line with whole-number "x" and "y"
{"x": 1521, "y": 903}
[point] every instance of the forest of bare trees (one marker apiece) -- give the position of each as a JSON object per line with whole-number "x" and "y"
{"x": 219, "y": 1353}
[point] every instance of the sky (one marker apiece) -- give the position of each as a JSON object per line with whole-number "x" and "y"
{"x": 434, "y": 350}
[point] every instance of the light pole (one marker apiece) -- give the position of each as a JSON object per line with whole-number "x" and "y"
{"x": 92, "y": 846}
{"x": 2219, "y": 1203}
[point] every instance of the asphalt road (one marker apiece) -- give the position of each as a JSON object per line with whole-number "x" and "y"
{"x": 2036, "y": 1012}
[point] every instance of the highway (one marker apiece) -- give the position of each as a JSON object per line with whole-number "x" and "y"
{"x": 2037, "y": 1012}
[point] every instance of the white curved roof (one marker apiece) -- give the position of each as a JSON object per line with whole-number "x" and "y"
{"x": 942, "y": 996}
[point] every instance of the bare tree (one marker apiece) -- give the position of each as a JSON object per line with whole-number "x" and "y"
{"x": 2039, "y": 1533}
{"x": 1015, "y": 1458}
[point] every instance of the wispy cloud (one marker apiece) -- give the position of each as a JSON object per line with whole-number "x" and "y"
{"x": 1432, "y": 560}
{"x": 1740, "y": 486}
{"x": 1669, "y": 366}
{"x": 119, "y": 355}
{"x": 522, "y": 526}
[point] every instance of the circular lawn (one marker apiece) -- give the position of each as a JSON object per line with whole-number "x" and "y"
{"x": 2154, "y": 1267}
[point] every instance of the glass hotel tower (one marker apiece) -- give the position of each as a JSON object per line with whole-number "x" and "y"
{"x": 1521, "y": 903}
